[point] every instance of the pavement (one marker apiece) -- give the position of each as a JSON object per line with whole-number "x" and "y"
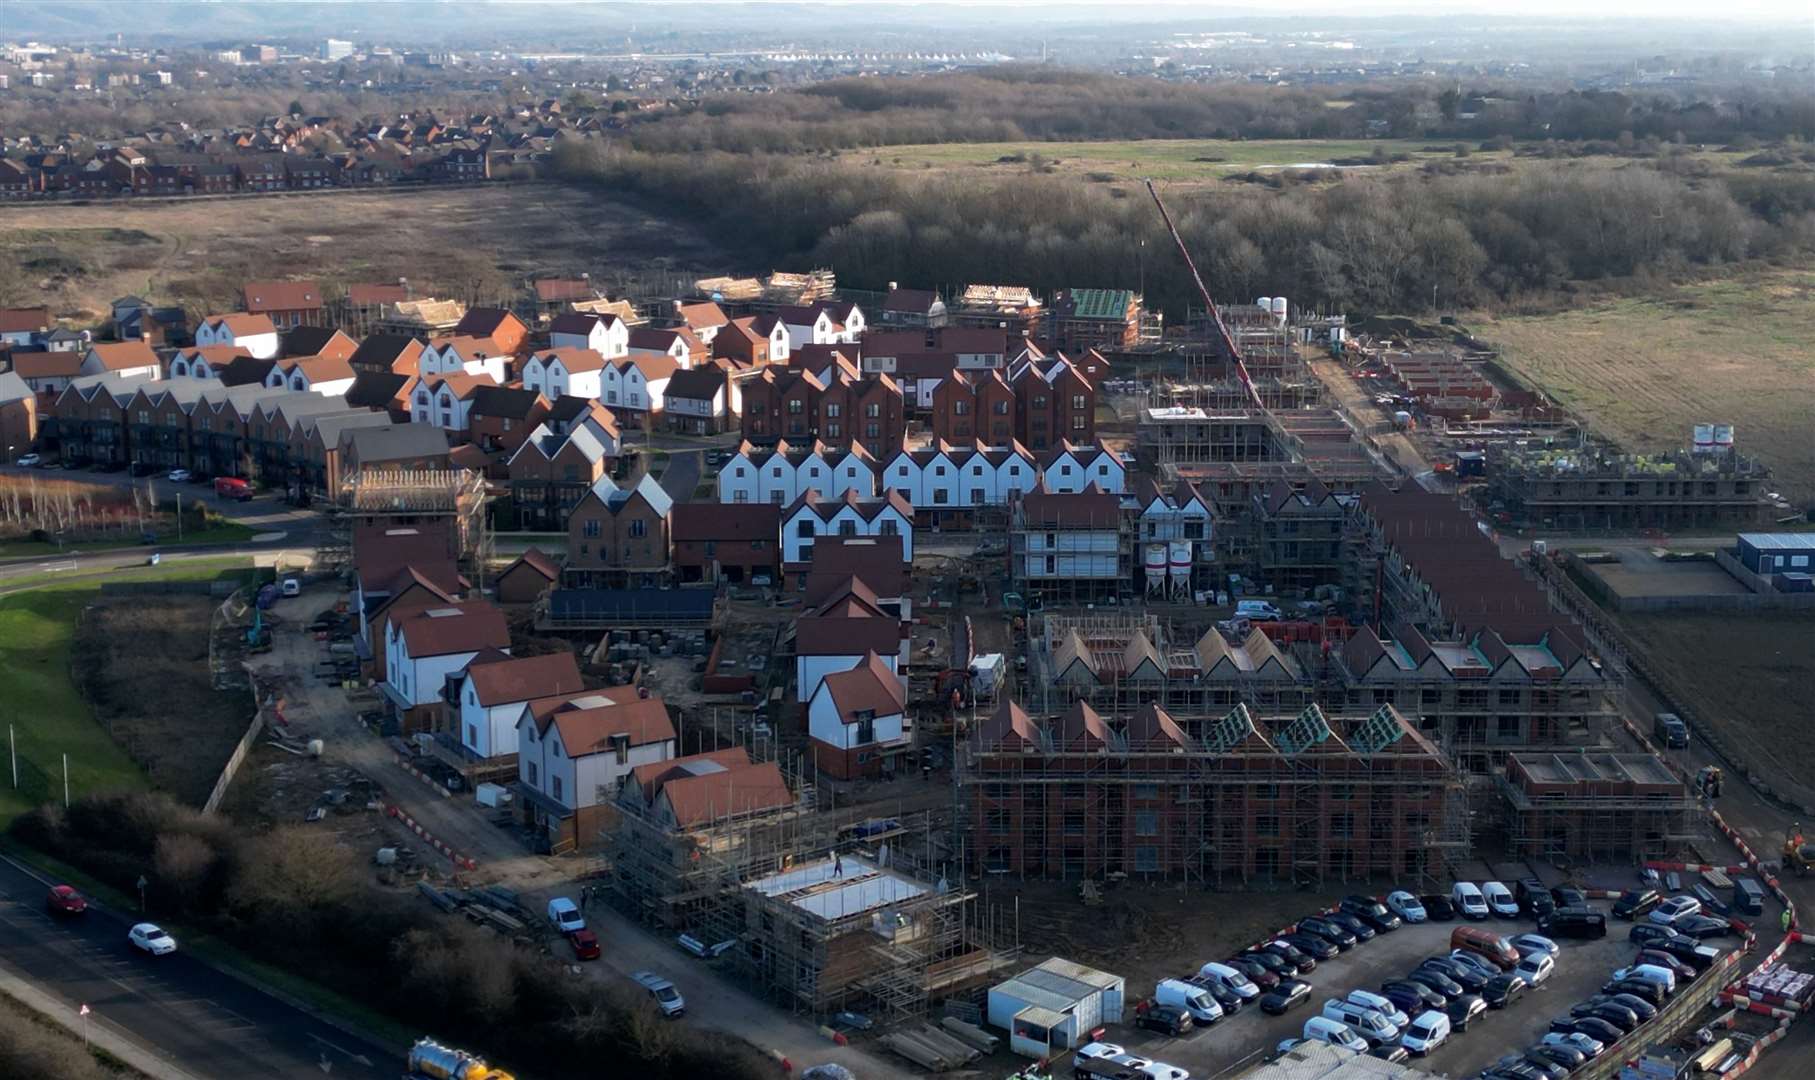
{"x": 191, "y": 1018}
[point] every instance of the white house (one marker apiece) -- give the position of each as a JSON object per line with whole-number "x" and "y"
{"x": 678, "y": 344}
{"x": 810, "y": 517}
{"x": 424, "y": 644}
{"x": 857, "y": 719}
{"x": 554, "y": 372}
{"x": 604, "y": 334}
{"x": 315, "y": 374}
{"x": 809, "y": 326}
{"x": 446, "y": 400}
{"x": 194, "y": 363}
{"x": 574, "y": 752}
{"x": 123, "y": 358}
{"x": 849, "y": 319}
{"x": 1060, "y": 537}
{"x": 696, "y": 401}
{"x": 254, "y": 333}
{"x": 993, "y": 475}
{"x": 848, "y": 626}
{"x": 781, "y": 475}
{"x": 1179, "y": 514}
{"x": 1069, "y": 469}
{"x": 493, "y": 690}
{"x": 639, "y": 383}
{"x": 463, "y": 355}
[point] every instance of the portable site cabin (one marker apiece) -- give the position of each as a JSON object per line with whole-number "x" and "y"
{"x": 1053, "y": 1007}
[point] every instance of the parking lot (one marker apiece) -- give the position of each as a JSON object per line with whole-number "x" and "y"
{"x": 1250, "y": 1035}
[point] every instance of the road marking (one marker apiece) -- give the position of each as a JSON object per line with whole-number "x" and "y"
{"x": 361, "y": 1058}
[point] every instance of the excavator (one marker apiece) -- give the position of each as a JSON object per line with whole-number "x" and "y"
{"x": 1798, "y": 853}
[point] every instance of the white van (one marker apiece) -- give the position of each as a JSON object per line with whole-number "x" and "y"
{"x": 1379, "y": 1004}
{"x": 1365, "y": 1022}
{"x": 1230, "y": 979}
{"x": 1256, "y": 611}
{"x": 1470, "y": 904}
{"x": 1193, "y": 999}
{"x": 1663, "y": 978}
{"x": 1321, "y": 1030}
{"x": 1426, "y": 1032}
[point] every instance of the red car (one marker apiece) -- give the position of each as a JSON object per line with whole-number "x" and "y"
{"x": 65, "y": 900}
{"x": 585, "y": 944}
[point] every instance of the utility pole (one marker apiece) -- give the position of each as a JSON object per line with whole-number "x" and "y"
{"x": 65, "y": 781}
{"x": 12, "y": 741}
{"x": 179, "y": 515}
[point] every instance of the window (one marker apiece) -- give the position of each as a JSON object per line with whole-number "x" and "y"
{"x": 834, "y": 430}
{"x": 532, "y": 768}
{"x": 873, "y": 430}
{"x": 611, "y": 397}
{"x": 472, "y": 735}
{"x": 961, "y": 408}
{"x": 804, "y": 529}
{"x": 832, "y": 408}
{"x": 976, "y": 496}
{"x": 422, "y": 397}
{"x": 872, "y": 409}
{"x": 1146, "y": 823}
{"x": 1077, "y": 402}
{"x": 638, "y": 528}
{"x": 794, "y": 406}
{"x": 888, "y": 528}
{"x": 941, "y": 496}
{"x": 1001, "y": 408}
{"x": 554, "y": 786}
{"x": 847, "y": 528}
{"x": 1077, "y": 423}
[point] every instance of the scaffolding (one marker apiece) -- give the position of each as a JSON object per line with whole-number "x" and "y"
{"x": 1221, "y": 802}
{"x": 388, "y": 497}
{"x": 1600, "y": 806}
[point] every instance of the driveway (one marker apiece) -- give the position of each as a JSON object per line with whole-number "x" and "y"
{"x": 683, "y": 473}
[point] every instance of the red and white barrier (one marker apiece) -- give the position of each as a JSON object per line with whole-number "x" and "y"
{"x": 403, "y": 763}
{"x": 455, "y": 857}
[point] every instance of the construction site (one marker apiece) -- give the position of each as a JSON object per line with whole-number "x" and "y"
{"x": 1224, "y": 802}
{"x": 823, "y": 911}
{"x": 1610, "y": 806}
{"x": 1699, "y": 488}
{"x": 389, "y": 498}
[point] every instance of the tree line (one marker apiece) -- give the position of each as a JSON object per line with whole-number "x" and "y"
{"x": 1023, "y": 102}
{"x": 298, "y": 899}
{"x": 1360, "y": 242}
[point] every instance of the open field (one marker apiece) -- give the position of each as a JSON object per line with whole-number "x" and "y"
{"x": 1162, "y": 159}
{"x": 1751, "y": 676}
{"x": 1644, "y": 371}
{"x": 48, "y": 716}
{"x": 473, "y": 242}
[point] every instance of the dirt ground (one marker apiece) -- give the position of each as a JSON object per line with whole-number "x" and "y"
{"x": 474, "y": 243}
{"x": 145, "y": 673}
{"x": 1749, "y": 673}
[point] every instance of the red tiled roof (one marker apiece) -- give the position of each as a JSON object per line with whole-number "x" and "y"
{"x": 868, "y": 687}
{"x": 502, "y": 679}
{"x": 825, "y": 635}
{"x": 118, "y": 356}
{"x": 438, "y": 628}
{"x": 21, "y": 320}
{"x": 263, "y": 296}
{"x": 726, "y": 522}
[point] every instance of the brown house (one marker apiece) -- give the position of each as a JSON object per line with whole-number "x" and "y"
{"x": 974, "y": 406}
{"x": 527, "y": 577}
{"x": 319, "y": 341}
{"x": 505, "y": 330}
{"x": 730, "y": 541}
{"x": 18, "y": 416}
{"x": 499, "y": 418}
{"x": 616, "y": 536}
{"x": 1054, "y": 402}
{"x": 387, "y": 353}
{"x": 288, "y": 303}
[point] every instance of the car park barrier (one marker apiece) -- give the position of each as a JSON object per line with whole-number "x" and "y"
{"x": 439, "y": 789}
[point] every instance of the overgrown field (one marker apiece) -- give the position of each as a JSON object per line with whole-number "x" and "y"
{"x": 1644, "y": 371}
{"x": 1161, "y": 159}
{"x": 478, "y": 243}
{"x": 47, "y": 714}
{"x": 1751, "y": 677}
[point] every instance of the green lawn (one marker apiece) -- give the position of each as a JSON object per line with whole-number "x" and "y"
{"x": 48, "y": 718}
{"x": 218, "y": 532}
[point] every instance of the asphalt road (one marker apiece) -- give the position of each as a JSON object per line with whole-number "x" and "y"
{"x": 204, "y": 1022}
{"x": 683, "y": 473}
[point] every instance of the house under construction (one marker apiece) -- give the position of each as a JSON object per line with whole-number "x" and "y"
{"x": 1707, "y": 487}
{"x": 823, "y": 911}
{"x": 1595, "y": 806}
{"x": 1226, "y": 801}
{"x": 387, "y": 498}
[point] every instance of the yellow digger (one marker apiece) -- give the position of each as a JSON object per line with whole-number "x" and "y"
{"x": 1798, "y": 854}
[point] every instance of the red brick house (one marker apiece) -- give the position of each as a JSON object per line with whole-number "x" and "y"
{"x": 505, "y": 330}
{"x": 618, "y": 536}
{"x": 973, "y": 406}
{"x": 527, "y": 577}
{"x": 288, "y": 303}
{"x": 733, "y": 542}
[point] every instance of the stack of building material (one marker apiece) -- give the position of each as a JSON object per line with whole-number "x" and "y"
{"x": 1780, "y": 987}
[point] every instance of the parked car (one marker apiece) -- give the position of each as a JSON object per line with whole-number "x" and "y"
{"x": 1661, "y": 977}
{"x": 1674, "y": 909}
{"x": 1099, "y": 1050}
{"x": 1412, "y": 996}
{"x": 1595, "y": 1028}
{"x": 1579, "y": 922}
{"x": 1224, "y": 975}
{"x": 1288, "y": 995}
{"x": 1439, "y": 981}
{"x": 1587, "y": 1045}
{"x": 178, "y": 476}
{"x": 1270, "y": 960}
{"x": 1467, "y": 977}
{"x": 1658, "y": 958}
{"x": 1534, "y": 899}
{"x": 1372, "y": 912}
{"x": 149, "y": 937}
{"x": 1469, "y": 901}
{"x": 1336, "y": 935}
{"x": 1528, "y": 944}
{"x": 1521, "y": 1066}
{"x": 585, "y": 944}
{"x": 1485, "y": 944}
{"x": 1313, "y": 945}
{"x": 28, "y": 461}
{"x": 1503, "y": 990}
{"x": 1500, "y": 900}
{"x": 1389, "y": 1052}
{"x": 1406, "y": 906}
{"x": 1562, "y": 1053}
{"x": 565, "y": 915}
{"x": 1363, "y": 1021}
{"x": 1230, "y": 1001}
{"x": 662, "y": 992}
{"x": 1568, "y": 896}
{"x": 1639, "y": 988}
{"x": 1165, "y": 1019}
{"x": 1334, "y": 1032}
{"x": 1353, "y": 924}
{"x": 1646, "y": 934}
{"x": 1426, "y": 1032}
{"x": 1367, "y": 999}
{"x": 1258, "y": 973}
{"x": 1536, "y": 968}
{"x": 65, "y": 900}
{"x": 1641, "y": 1008}
{"x": 1602, "y": 1007}
{"x": 1702, "y": 926}
{"x": 1465, "y": 1010}
{"x": 1689, "y": 951}
{"x": 1437, "y": 907}
{"x": 1303, "y": 961}
{"x": 1475, "y": 962}
{"x": 1634, "y": 903}
{"x": 1671, "y": 731}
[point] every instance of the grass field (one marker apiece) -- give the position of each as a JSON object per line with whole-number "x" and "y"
{"x": 1644, "y": 371}
{"x": 469, "y": 242}
{"x": 1161, "y": 159}
{"x": 39, "y": 699}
